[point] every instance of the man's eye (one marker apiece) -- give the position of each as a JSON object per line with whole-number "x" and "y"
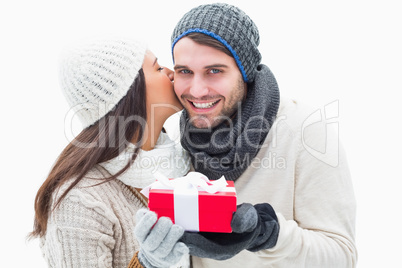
{"x": 214, "y": 71}
{"x": 185, "y": 71}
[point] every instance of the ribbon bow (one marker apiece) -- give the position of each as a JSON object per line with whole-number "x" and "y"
{"x": 193, "y": 180}
{"x": 185, "y": 192}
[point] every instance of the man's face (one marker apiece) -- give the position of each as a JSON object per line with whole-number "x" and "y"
{"x": 207, "y": 82}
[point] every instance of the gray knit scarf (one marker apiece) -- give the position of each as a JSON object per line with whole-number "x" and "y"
{"x": 229, "y": 148}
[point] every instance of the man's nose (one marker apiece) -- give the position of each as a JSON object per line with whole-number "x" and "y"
{"x": 198, "y": 87}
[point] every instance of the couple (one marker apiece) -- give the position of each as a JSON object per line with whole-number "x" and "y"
{"x": 89, "y": 211}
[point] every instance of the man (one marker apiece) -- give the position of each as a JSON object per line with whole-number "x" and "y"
{"x": 235, "y": 124}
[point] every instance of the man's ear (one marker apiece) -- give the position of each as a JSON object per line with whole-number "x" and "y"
{"x": 245, "y": 91}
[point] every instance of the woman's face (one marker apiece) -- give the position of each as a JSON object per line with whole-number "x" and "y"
{"x": 161, "y": 99}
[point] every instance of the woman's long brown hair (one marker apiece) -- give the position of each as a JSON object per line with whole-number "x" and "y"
{"x": 107, "y": 137}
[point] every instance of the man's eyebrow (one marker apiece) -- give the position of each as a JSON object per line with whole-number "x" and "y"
{"x": 180, "y": 67}
{"x": 216, "y": 66}
{"x": 206, "y": 67}
{"x": 156, "y": 59}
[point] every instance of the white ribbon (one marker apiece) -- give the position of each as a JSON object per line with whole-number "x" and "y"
{"x": 185, "y": 191}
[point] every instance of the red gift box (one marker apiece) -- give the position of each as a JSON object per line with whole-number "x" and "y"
{"x": 196, "y": 209}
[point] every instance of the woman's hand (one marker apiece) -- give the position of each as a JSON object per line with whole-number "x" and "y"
{"x": 158, "y": 240}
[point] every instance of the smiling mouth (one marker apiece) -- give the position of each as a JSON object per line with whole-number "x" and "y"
{"x": 204, "y": 105}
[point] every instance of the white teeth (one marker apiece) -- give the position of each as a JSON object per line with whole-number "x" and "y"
{"x": 204, "y": 105}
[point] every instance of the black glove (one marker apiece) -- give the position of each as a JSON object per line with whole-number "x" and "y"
{"x": 254, "y": 228}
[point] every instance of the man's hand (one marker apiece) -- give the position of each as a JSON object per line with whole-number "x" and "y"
{"x": 254, "y": 228}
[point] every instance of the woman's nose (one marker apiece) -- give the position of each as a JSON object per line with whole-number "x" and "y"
{"x": 169, "y": 73}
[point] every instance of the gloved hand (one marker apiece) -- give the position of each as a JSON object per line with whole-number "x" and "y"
{"x": 158, "y": 240}
{"x": 254, "y": 228}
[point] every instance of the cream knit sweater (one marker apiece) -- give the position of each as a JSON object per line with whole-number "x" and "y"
{"x": 302, "y": 172}
{"x": 94, "y": 225}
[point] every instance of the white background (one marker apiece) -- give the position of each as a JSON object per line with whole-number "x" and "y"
{"x": 319, "y": 51}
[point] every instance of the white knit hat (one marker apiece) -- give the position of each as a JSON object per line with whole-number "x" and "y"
{"x": 96, "y": 75}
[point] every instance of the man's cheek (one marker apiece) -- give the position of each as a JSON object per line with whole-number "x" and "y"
{"x": 178, "y": 89}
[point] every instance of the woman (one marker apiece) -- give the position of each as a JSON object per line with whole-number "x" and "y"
{"x": 88, "y": 212}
